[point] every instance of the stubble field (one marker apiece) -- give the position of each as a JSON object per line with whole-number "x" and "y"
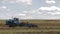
{"x": 44, "y": 27}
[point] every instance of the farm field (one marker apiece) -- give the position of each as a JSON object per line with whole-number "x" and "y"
{"x": 44, "y": 27}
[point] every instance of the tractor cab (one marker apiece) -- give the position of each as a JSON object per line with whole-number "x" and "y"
{"x": 16, "y": 21}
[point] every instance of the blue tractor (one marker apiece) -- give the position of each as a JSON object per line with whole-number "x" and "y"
{"x": 15, "y": 22}
{"x": 12, "y": 22}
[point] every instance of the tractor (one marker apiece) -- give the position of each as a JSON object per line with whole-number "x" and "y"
{"x": 15, "y": 22}
{"x": 12, "y": 22}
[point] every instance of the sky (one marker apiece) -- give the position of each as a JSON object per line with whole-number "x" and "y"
{"x": 30, "y": 9}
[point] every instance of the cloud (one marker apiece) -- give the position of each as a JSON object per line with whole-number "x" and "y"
{"x": 4, "y": 8}
{"x": 54, "y": 13}
{"x": 51, "y": 18}
{"x": 28, "y": 2}
{"x": 47, "y": 11}
{"x": 23, "y": 16}
{"x": 50, "y": 1}
{"x": 51, "y": 8}
{"x": 20, "y": 14}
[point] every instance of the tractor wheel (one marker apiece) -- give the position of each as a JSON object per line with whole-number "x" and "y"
{"x": 10, "y": 26}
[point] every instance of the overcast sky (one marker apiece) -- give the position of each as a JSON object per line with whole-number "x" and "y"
{"x": 30, "y": 9}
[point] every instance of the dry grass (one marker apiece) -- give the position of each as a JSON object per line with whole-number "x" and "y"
{"x": 43, "y": 25}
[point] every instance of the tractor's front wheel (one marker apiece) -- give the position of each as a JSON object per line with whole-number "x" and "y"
{"x": 10, "y": 26}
